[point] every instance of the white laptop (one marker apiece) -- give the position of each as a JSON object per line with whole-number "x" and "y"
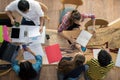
{"x": 26, "y": 34}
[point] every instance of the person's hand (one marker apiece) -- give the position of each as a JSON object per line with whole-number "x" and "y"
{"x": 94, "y": 34}
{"x": 41, "y": 29}
{"x": 12, "y": 21}
{"x": 28, "y": 49}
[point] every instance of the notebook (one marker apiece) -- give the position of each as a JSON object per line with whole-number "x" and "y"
{"x": 53, "y": 53}
{"x": 38, "y": 38}
{"x": 84, "y": 38}
{"x": 8, "y": 51}
{"x": 4, "y": 33}
{"x": 118, "y": 59}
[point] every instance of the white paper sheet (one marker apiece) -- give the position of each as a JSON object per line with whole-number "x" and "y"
{"x": 28, "y": 56}
{"x": 118, "y": 59}
{"x": 95, "y": 53}
{"x": 84, "y": 38}
{"x": 36, "y": 48}
{"x": 38, "y": 39}
{"x": 33, "y": 31}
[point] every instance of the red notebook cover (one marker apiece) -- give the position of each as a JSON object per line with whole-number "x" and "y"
{"x": 53, "y": 53}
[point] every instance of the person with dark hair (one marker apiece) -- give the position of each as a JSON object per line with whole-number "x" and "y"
{"x": 29, "y": 9}
{"x": 26, "y": 70}
{"x": 70, "y": 21}
{"x": 99, "y": 68}
{"x": 23, "y": 5}
{"x": 104, "y": 58}
{"x": 71, "y": 68}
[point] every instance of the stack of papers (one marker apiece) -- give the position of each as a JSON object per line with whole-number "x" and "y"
{"x": 36, "y": 48}
{"x": 4, "y": 33}
{"x": 118, "y": 59}
{"x": 33, "y": 31}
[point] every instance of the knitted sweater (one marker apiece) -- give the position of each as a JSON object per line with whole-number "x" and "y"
{"x": 95, "y": 71}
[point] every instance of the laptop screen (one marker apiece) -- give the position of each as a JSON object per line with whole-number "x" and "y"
{"x": 15, "y": 33}
{"x": 8, "y": 51}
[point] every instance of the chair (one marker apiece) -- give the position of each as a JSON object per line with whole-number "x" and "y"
{"x": 4, "y": 19}
{"x": 73, "y": 2}
{"x": 65, "y": 9}
{"x": 100, "y": 23}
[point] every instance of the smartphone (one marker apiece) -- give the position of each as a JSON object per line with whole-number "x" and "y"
{"x": 24, "y": 47}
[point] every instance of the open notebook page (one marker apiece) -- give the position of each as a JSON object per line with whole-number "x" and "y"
{"x": 84, "y": 38}
{"x": 36, "y": 48}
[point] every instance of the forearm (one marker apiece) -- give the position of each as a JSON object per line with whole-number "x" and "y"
{"x": 44, "y": 7}
{"x": 41, "y": 21}
{"x": 32, "y": 53}
{"x": 9, "y": 13}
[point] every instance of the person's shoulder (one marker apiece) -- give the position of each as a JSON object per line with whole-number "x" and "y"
{"x": 33, "y": 1}
{"x": 14, "y": 2}
{"x": 92, "y": 61}
{"x": 38, "y": 56}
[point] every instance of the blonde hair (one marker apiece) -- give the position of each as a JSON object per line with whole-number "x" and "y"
{"x": 79, "y": 59}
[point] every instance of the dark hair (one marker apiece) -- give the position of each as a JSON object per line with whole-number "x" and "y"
{"x": 23, "y": 5}
{"x": 26, "y": 71}
{"x": 75, "y": 15}
{"x": 104, "y": 58}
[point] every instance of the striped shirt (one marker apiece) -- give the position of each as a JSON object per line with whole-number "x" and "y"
{"x": 95, "y": 71}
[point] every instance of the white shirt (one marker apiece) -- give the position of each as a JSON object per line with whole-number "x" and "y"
{"x": 34, "y": 13}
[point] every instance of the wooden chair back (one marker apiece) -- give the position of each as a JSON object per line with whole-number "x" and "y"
{"x": 73, "y": 2}
{"x": 98, "y": 22}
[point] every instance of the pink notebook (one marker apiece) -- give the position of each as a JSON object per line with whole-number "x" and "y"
{"x": 53, "y": 53}
{"x": 5, "y": 33}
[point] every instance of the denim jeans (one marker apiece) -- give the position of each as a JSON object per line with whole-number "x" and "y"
{"x": 25, "y": 22}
